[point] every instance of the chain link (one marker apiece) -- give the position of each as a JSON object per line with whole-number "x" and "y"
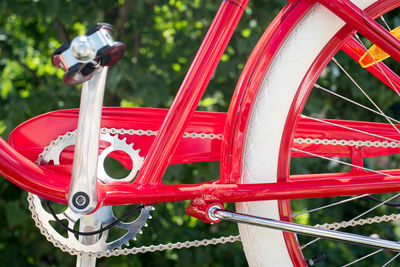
{"x": 127, "y": 251}
{"x": 335, "y": 142}
{"x": 170, "y": 246}
{"x": 135, "y": 250}
{"x": 124, "y": 131}
{"x": 204, "y": 242}
{"x": 353, "y": 223}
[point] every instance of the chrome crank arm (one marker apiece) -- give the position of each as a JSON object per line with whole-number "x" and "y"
{"x": 216, "y": 214}
{"x": 82, "y": 196}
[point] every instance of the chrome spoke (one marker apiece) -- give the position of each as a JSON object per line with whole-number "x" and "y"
{"x": 379, "y": 66}
{"x": 386, "y": 24}
{"x": 331, "y": 205}
{"x": 349, "y": 164}
{"x": 350, "y": 128}
{"x": 392, "y": 259}
{"x": 339, "y": 161}
{"x": 363, "y": 258}
{"x": 365, "y": 94}
{"x": 394, "y": 123}
{"x": 355, "y": 218}
{"x": 355, "y": 103}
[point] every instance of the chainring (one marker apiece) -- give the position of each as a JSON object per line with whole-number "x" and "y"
{"x": 104, "y": 215}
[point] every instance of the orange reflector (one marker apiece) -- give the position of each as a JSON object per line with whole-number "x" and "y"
{"x": 378, "y": 54}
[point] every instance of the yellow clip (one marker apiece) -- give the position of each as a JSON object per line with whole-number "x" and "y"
{"x": 377, "y": 53}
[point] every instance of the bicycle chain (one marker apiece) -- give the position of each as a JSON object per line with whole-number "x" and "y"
{"x": 125, "y": 131}
{"x": 352, "y": 223}
{"x": 135, "y": 250}
{"x": 336, "y": 142}
{"x": 213, "y": 241}
{"x": 127, "y": 251}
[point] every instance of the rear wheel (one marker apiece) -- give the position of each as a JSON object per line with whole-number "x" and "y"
{"x": 278, "y": 142}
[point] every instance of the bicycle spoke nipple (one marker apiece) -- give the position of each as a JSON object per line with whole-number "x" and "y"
{"x": 318, "y": 258}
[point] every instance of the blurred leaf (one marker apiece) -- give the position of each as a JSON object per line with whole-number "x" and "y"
{"x": 14, "y": 213}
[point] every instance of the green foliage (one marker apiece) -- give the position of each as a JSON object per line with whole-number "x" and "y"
{"x": 162, "y": 38}
{"x": 323, "y": 105}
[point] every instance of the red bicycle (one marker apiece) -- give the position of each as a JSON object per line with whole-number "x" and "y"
{"x": 265, "y": 131}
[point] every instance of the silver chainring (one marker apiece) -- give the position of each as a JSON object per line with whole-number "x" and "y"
{"x": 161, "y": 247}
{"x": 103, "y": 215}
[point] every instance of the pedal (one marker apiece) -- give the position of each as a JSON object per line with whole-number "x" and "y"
{"x": 80, "y": 58}
{"x": 376, "y": 54}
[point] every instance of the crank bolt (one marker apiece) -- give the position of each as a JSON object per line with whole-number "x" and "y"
{"x": 83, "y": 49}
{"x": 80, "y": 200}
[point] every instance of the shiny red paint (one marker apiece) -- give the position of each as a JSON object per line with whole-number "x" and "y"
{"x": 309, "y": 128}
{"x": 30, "y": 177}
{"x": 29, "y": 140}
{"x": 355, "y": 50}
{"x": 248, "y": 84}
{"x": 199, "y": 209}
{"x": 304, "y": 90}
{"x": 365, "y": 25}
{"x": 52, "y": 182}
{"x": 191, "y": 91}
{"x": 242, "y": 101}
{"x": 319, "y": 64}
{"x": 322, "y": 185}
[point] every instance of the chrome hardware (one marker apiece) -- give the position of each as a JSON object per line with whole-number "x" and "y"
{"x": 82, "y": 196}
{"x": 85, "y": 60}
{"x": 83, "y": 49}
{"x": 80, "y": 58}
{"x": 306, "y": 230}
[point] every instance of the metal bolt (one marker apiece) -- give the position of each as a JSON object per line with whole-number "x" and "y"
{"x": 83, "y": 49}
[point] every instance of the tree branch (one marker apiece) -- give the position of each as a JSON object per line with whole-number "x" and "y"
{"x": 62, "y": 31}
{"x": 123, "y": 14}
{"x": 112, "y": 16}
{"x": 39, "y": 79}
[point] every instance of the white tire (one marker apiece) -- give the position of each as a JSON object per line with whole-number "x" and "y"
{"x": 264, "y": 247}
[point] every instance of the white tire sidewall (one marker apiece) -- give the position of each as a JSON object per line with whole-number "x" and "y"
{"x": 264, "y": 247}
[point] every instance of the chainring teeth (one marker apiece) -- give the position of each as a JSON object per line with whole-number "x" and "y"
{"x": 71, "y": 244}
{"x": 118, "y": 145}
{"x": 53, "y": 151}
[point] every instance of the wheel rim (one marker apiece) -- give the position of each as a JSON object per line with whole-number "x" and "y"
{"x": 318, "y": 66}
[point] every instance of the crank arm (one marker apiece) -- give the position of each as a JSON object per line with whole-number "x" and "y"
{"x": 82, "y": 196}
{"x": 215, "y": 214}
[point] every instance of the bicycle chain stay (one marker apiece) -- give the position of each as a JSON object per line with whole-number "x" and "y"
{"x": 194, "y": 243}
{"x": 204, "y": 242}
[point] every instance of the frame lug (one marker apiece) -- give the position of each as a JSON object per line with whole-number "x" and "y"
{"x": 204, "y": 211}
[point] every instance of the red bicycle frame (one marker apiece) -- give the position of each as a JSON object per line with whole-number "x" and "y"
{"x": 168, "y": 146}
